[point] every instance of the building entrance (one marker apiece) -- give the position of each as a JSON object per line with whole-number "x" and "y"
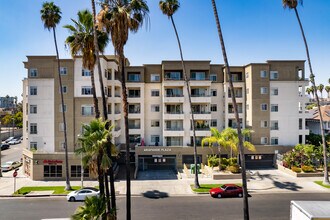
{"x": 157, "y": 162}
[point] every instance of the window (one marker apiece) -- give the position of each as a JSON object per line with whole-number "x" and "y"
{"x": 154, "y": 92}
{"x": 87, "y": 110}
{"x": 263, "y": 90}
{"x": 264, "y": 124}
{"x": 264, "y": 140}
{"x": 63, "y": 70}
{"x": 76, "y": 171}
{"x": 197, "y": 76}
{"x": 85, "y": 72}
{"x": 33, "y": 72}
{"x": 274, "y": 125}
{"x": 154, "y": 77}
{"x": 61, "y": 127}
{"x": 63, "y": 106}
{"x": 86, "y": 90}
{"x": 64, "y": 89}
{"x": 134, "y": 93}
{"x": 155, "y": 138}
{"x": 133, "y": 77}
{"x": 213, "y": 77}
{"x": 274, "y": 141}
{"x": 264, "y": 107}
{"x": 263, "y": 74}
{"x": 300, "y": 141}
{"x": 213, "y": 108}
{"x": 155, "y": 123}
{"x": 273, "y": 75}
{"x": 214, "y": 92}
{"x": 134, "y": 138}
{"x": 33, "y": 90}
{"x": 300, "y": 123}
{"x": 155, "y": 108}
{"x": 274, "y": 108}
{"x": 33, "y": 145}
{"x": 214, "y": 123}
{"x": 33, "y": 128}
{"x": 33, "y": 109}
{"x": 52, "y": 170}
{"x": 274, "y": 91}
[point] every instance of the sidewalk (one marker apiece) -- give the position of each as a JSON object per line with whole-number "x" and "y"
{"x": 261, "y": 181}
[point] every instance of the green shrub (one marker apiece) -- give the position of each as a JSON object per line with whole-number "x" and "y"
{"x": 213, "y": 161}
{"x": 234, "y": 168}
{"x": 224, "y": 162}
{"x": 232, "y": 161}
{"x": 307, "y": 169}
{"x": 296, "y": 169}
{"x": 223, "y": 167}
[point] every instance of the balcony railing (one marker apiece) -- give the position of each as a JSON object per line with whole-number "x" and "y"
{"x": 134, "y": 126}
{"x": 202, "y": 128}
{"x": 173, "y": 95}
{"x": 173, "y": 129}
{"x": 134, "y": 111}
{"x": 201, "y": 112}
{"x": 174, "y": 112}
{"x": 200, "y": 95}
{"x": 202, "y": 79}
{"x": 173, "y": 79}
{"x": 134, "y": 96}
{"x": 275, "y": 128}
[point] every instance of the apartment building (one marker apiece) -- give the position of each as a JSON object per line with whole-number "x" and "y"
{"x": 270, "y": 96}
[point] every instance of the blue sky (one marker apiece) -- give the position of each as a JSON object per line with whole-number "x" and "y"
{"x": 254, "y": 31}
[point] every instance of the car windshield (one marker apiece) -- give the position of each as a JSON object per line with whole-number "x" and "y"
{"x": 223, "y": 187}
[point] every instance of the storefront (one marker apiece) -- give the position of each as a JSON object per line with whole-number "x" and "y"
{"x": 157, "y": 162}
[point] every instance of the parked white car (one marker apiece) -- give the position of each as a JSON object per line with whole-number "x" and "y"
{"x": 9, "y": 139}
{"x": 14, "y": 141}
{"x": 81, "y": 194}
{"x": 10, "y": 165}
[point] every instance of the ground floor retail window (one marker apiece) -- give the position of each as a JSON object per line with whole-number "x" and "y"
{"x": 76, "y": 171}
{"x": 189, "y": 159}
{"x": 52, "y": 170}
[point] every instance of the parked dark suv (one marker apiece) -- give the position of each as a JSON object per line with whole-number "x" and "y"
{"x": 4, "y": 146}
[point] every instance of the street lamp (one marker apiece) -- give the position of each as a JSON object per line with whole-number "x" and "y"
{"x": 0, "y": 150}
{"x": 81, "y": 165}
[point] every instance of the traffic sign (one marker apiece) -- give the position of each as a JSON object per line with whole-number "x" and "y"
{"x": 15, "y": 174}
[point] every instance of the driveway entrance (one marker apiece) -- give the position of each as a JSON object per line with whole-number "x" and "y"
{"x": 157, "y": 175}
{"x": 157, "y": 162}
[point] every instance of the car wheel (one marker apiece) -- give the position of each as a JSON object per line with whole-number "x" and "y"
{"x": 72, "y": 199}
{"x": 219, "y": 195}
{"x": 240, "y": 195}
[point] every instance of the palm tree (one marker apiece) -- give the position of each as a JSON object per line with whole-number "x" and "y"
{"x": 51, "y": 17}
{"x": 292, "y": 4}
{"x": 239, "y": 132}
{"x": 308, "y": 90}
{"x": 93, "y": 208}
{"x": 320, "y": 88}
{"x": 327, "y": 89}
{"x": 105, "y": 117}
{"x": 81, "y": 42}
{"x": 94, "y": 142}
{"x": 119, "y": 18}
{"x": 169, "y": 7}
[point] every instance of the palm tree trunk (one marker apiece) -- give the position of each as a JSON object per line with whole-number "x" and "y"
{"x": 67, "y": 178}
{"x": 95, "y": 100}
{"x": 196, "y": 182}
{"x": 100, "y": 174}
{"x": 312, "y": 79}
{"x": 105, "y": 114}
{"x": 239, "y": 132}
{"x": 125, "y": 109}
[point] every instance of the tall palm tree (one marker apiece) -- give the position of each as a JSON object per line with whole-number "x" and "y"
{"x": 169, "y": 7}
{"x": 94, "y": 142}
{"x": 81, "y": 42}
{"x": 119, "y": 18}
{"x": 239, "y": 132}
{"x": 292, "y": 4}
{"x": 105, "y": 117}
{"x": 308, "y": 90}
{"x": 327, "y": 89}
{"x": 320, "y": 88}
{"x": 51, "y": 17}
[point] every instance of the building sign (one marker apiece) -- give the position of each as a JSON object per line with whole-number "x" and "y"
{"x": 53, "y": 161}
{"x": 157, "y": 149}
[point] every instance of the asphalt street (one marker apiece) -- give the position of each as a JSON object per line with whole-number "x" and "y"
{"x": 14, "y": 153}
{"x": 262, "y": 206}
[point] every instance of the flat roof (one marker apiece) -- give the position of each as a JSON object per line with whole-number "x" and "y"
{"x": 315, "y": 209}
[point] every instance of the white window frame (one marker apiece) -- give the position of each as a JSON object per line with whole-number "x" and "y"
{"x": 83, "y": 110}
{"x": 263, "y": 74}
{"x": 155, "y": 77}
{"x": 84, "y": 90}
{"x": 61, "y": 127}
{"x": 214, "y": 123}
{"x": 33, "y": 145}
{"x": 63, "y": 70}
{"x": 273, "y": 108}
{"x": 215, "y": 92}
{"x": 85, "y": 72}
{"x": 154, "y": 137}
{"x": 214, "y": 106}
{"x": 33, "y": 90}
{"x": 213, "y": 77}
{"x": 262, "y": 105}
{"x": 155, "y": 108}
{"x": 273, "y": 74}
{"x": 273, "y": 140}
{"x": 33, "y": 128}
{"x": 263, "y": 90}
{"x": 264, "y": 140}
{"x": 264, "y": 124}
{"x": 155, "y": 93}
{"x": 64, "y": 89}
{"x": 154, "y": 123}
{"x": 273, "y": 93}
{"x": 33, "y": 109}
{"x": 65, "y": 109}
{"x": 33, "y": 72}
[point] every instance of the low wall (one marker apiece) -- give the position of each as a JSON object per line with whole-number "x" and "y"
{"x": 6, "y": 134}
{"x": 228, "y": 176}
{"x": 290, "y": 172}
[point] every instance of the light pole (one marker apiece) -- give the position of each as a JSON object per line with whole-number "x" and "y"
{"x": 13, "y": 120}
{"x": 81, "y": 165}
{"x": 0, "y": 150}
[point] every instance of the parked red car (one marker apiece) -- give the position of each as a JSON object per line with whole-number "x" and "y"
{"x": 227, "y": 190}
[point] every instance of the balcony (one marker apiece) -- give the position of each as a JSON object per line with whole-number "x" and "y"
{"x": 174, "y": 98}
{"x": 201, "y": 98}
{"x": 173, "y": 115}
{"x": 201, "y": 133}
{"x": 173, "y": 131}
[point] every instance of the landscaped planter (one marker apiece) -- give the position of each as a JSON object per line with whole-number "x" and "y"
{"x": 302, "y": 174}
{"x": 225, "y": 176}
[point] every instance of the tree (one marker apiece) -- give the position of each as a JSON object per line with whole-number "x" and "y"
{"x": 105, "y": 117}
{"x": 169, "y": 7}
{"x": 327, "y": 89}
{"x": 81, "y": 42}
{"x": 320, "y": 88}
{"x": 308, "y": 90}
{"x": 18, "y": 118}
{"x": 51, "y": 16}
{"x": 93, "y": 208}
{"x": 119, "y": 18}
{"x": 292, "y": 4}
{"x": 94, "y": 141}
{"x": 239, "y": 132}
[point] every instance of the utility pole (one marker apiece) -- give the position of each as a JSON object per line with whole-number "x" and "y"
{"x": 0, "y": 150}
